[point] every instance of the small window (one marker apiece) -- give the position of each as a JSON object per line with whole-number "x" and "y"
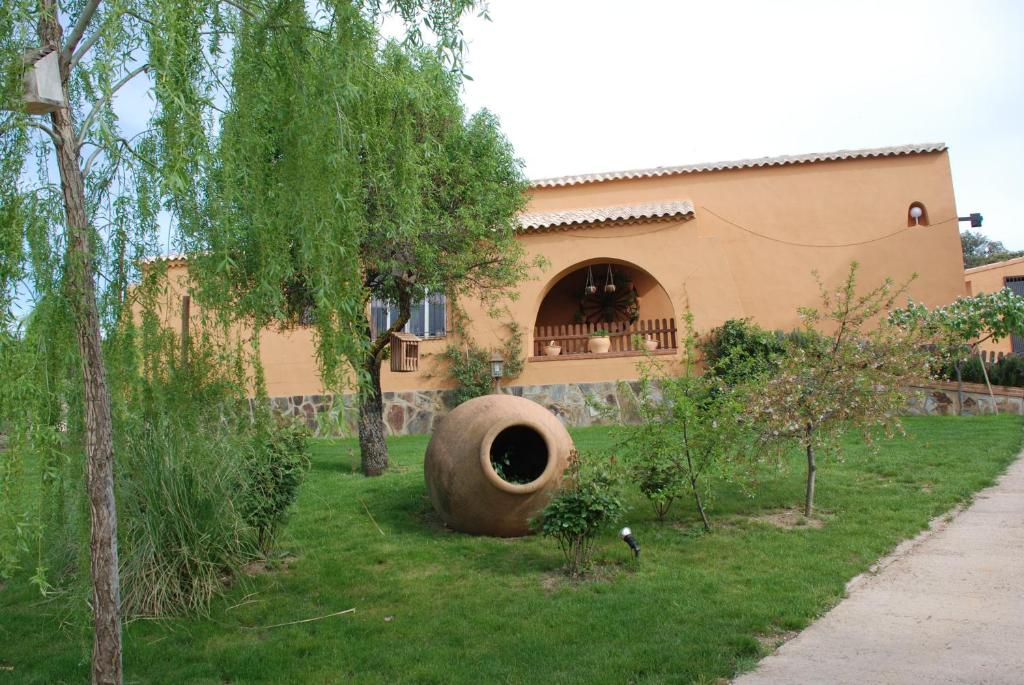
{"x": 917, "y": 215}
{"x": 428, "y": 319}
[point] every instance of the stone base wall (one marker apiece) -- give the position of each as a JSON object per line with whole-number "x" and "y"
{"x": 943, "y": 399}
{"x": 417, "y": 412}
{"x": 584, "y": 404}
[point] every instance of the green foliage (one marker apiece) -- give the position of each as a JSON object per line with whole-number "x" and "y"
{"x": 1008, "y": 371}
{"x": 469, "y": 365}
{"x": 748, "y": 577}
{"x": 273, "y": 474}
{"x": 689, "y": 432}
{"x": 849, "y": 372}
{"x": 738, "y": 351}
{"x": 955, "y": 331}
{"x": 979, "y": 250}
{"x": 347, "y": 172}
{"x": 588, "y": 502}
{"x": 598, "y": 333}
{"x": 181, "y": 532}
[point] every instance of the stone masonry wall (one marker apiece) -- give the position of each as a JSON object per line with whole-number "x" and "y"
{"x": 416, "y": 412}
{"x": 582, "y": 404}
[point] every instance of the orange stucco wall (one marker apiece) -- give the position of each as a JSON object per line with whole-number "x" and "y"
{"x": 749, "y": 251}
{"x": 989, "y": 279}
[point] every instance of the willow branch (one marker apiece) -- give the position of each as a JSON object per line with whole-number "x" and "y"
{"x": 86, "y": 46}
{"x": 92, "y": 158}
{"x": 80, "y": 26}
{"x": 47, "y": 130}
{"x": 105, "y": 99}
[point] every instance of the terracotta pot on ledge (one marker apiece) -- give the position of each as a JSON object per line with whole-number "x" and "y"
{"x": 599, "y": 344}
{"x": 650, "y": 344}
{"x": 552, "y": 349}
{"x": 482, "y": 437}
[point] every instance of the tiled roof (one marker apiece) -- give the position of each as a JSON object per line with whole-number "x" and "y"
{"x": 173, "y": 257}
{"x": 995, "y": 265}
{"x": 652, "y": 211}
{"x": 739, "y": 164}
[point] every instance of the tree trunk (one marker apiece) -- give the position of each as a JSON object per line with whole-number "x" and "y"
{"x": 700, "y": 505}
{"x": 812, "y": 470}
{"x": 988, "y": 383}
{"x": 99, "y": 445}
{"x": 373, "y": 449}
{"x": 959, "y": 390}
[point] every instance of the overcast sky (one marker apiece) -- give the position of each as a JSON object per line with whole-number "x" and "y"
{"x": 599, "y": 85}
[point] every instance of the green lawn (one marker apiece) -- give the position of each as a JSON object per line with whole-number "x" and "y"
{"x": 432, "y": 606}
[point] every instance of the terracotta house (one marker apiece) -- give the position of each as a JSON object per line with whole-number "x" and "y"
{"x": 991, "y": 278}
{"x": 724, "y": 240}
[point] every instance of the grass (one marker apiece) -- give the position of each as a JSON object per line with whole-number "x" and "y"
{"x": 432, "y": 606}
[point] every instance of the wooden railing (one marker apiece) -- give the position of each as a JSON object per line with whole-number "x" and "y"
{"x": 573, "y": 338}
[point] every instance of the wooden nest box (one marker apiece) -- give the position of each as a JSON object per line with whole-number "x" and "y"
{"x": 43, "y": 90}
{"x": 405, "y": 352}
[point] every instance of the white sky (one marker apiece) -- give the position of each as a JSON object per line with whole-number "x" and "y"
{"x": 599, "y": 85}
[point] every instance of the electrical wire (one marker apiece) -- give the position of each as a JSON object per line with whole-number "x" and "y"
{"x": 822, "y": 245}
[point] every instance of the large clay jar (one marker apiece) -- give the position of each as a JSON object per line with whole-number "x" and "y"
{"x": 482, "y": 437}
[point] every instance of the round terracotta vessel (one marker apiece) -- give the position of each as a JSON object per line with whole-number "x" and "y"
{"x": 521, "y": 439}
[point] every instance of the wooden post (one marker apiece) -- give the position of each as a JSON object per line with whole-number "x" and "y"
{"x": 186, "y": 306}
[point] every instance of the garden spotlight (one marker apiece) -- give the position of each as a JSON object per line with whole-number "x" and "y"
{"x": 627, "y": 537}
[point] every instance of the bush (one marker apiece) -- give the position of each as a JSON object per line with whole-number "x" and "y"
{"x": 1008, "y": 371}
{"x": 470, "y": 368}
{"x": 688, "y": 433}
{"x": 275, "y": 470}
{"x": 588, "y": 501}
{"x": 738, "y": 351}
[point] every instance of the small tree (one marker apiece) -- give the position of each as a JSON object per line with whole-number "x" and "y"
{"x": 848, "y": 372}
{"x": 588, "y": 501}
{"x": 956, "y": 331}
{"x": 689, "y": 430}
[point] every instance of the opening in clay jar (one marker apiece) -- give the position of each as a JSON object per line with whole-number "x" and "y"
{"x": 519, "y": 455}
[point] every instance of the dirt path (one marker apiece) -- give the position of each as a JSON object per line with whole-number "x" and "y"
{"x": 947, "y": 608}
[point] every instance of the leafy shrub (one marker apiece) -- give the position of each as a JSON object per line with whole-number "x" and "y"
{"x": 1009, "y": 371}
{"x": 273, "y": 473}
{"x": 689, "y": 431}
{"x": 971, "y": 371}
{"x": 739, "y": 350}
{"x": 469, "y": 365}
{"x": 588, "y": 501}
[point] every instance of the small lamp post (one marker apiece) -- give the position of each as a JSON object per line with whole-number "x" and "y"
{"x": 497, "y": 369}
{"x": 627, "y": 536}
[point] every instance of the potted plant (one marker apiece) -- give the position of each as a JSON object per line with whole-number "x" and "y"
{"x": 650, "y": 343}
{"x": 599, "y": 342}
{"x": 552, "y": 349}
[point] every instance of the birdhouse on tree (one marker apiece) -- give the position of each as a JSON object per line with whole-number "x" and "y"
{"x": 405, "y": 352}
{"x": 43, "y": 91}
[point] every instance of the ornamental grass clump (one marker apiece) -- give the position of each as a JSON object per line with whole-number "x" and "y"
{"x": 588, "y": 502}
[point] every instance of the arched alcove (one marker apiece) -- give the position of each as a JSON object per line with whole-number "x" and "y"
{"x": 917, "y": 215}
{"x": 637, "y": 303}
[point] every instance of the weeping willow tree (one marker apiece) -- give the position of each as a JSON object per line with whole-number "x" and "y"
{"x": 82, "y": 191}
{"x": 349, "y": 171}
